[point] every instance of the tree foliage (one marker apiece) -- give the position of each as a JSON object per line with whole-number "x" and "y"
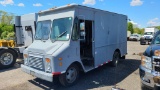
{"x": 158, "y": 27}
{"x": 138, "y": 30}
{"x": 130, "y": 27}
{"x": 135, "y": 30}
{"x": 6, "y": 25}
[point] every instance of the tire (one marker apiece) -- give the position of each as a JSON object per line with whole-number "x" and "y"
{"x": 142, "y": 41}
{"x": 123, "y": 57}
{"x": 143, "y": 87}
{"x": 7, "y": 58}
{"x": 115, "y": 59}
{"x": 74, "y": 76}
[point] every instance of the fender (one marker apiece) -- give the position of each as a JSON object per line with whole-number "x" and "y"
{"x": 16, "y": 52}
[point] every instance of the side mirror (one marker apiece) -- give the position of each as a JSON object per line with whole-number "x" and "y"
{"x": 83, "y": 33}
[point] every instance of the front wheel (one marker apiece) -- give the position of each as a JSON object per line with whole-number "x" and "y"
{"x": 7, "y": 58}
{"x": 143, "y": 87}
{"x": 115, "y": 59}
{"x": 70, "y": 77}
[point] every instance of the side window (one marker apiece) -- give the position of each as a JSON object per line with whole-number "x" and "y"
{"x": 82, "y": 30}
{"x": 75, "y": 31}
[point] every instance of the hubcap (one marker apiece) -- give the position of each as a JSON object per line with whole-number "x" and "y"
{"x": 6, "y": 58}
{"x": 71, "y": 75}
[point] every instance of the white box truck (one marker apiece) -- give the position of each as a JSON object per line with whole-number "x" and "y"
{"x": 75, "y": 38}
{"x": 148, "y": 35}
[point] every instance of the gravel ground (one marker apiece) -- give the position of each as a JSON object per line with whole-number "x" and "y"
{"x": 126, "y": 76}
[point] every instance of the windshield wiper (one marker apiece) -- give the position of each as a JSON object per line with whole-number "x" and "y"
{"x": 61, "y": 34}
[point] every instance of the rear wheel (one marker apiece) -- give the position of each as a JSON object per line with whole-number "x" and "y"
{"x": 70, "y": 77}
{"x": 115, "y": 59}
{"x": 7, "y": 58}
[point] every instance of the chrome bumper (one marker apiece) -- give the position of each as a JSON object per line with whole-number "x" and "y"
{"x": 146, "y": 77}
{"x": 37, "y": 73}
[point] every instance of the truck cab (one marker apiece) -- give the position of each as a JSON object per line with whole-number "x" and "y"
{"x": 148, "y": 35}
{"x": 150, "y": 65}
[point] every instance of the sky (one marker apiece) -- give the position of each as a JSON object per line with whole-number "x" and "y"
{"x": 142, "y": 13}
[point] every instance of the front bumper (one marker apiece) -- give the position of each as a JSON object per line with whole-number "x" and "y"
{"x": 133, "y": 39}
{"x": 37, "y": 73}
{"x": 146, "y": 77}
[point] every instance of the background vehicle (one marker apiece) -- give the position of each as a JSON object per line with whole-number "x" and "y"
{"x": 148, "y": 35}
{"x": 128, "y": 34}
{"x": 24, "y": 31}
{"x": 75, "y": 38}
{"x": 150, "y": 64}
{"x": 135, "y": 37}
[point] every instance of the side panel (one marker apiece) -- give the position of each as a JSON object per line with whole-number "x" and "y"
{"x": 28, "y": 20}
{"x": 110, "y": 34}
{"x": 101, "y": 37}
{"x": 18, "y": 31}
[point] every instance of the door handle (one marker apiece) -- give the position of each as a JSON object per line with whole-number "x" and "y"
{"x": 93, "y": 40}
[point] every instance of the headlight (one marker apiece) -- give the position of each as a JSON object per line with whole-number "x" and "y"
{"x": 157, "y": 52}
{"x": 25, "y": 56}
{"x": 146, "y": 62}
{"x": 48, "y": 65}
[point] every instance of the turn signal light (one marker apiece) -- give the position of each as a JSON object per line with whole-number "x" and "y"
{"x": 60, "y": 64}
{"x": 60, "y": 58}
{"x": 157, "y": 52}
{"x": 25, "y": 55}
{"x": 142, "y": 60}
{"x": 48, "y": 60}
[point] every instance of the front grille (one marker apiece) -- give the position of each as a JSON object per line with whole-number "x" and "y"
{"x": 156, "y": 64}
{"x": 36, "y": 63}
{"x": 157, "y": 69}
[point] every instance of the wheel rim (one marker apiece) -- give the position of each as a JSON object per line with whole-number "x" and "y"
{"x": 71, "y": 75}
{"x": 116, "y": 57}
{"x": 6, "y": 58}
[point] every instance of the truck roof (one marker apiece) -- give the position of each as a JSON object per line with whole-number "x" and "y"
{"x": 73, "y": 5}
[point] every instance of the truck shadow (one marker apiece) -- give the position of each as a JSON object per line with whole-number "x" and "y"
{"x": 100, "y": 77}
{"x": 16, "y": 65}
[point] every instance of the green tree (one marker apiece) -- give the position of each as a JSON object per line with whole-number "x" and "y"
{"x": 138, "y": 30}
{"x": 6, "y": 25}
{"x": 158, "y": 27}
{"x": 130, "y": 27}
{"x": 6, "y": 18}
{"x": 141, "y": 31}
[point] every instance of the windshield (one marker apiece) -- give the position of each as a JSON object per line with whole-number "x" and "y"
{"x": 61, "y": 29}
{"x": 148, "y": 33}
{"x": 134, "y": 35}
{"x": 156, "y": 39}
{"x": 43, "y": 30}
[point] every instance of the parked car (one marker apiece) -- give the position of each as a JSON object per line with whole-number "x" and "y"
{"x": 149, "y": 69}
{"x": 148, "y": 35}
{"x": 134, "y": 37}
{"x": 128, "y": 35}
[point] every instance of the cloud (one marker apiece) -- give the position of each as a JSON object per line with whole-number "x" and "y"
{"x": 6, "y": 2}
{"x": 154, "y": 22}
{"x": 21, "y": 4}
{"x": 101, "y": 0}
{"x": 136, "y": 3}
{"x": 135, "y": 25}
{"x": 37, "y": 5}
{"x": 90, "y": 2}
